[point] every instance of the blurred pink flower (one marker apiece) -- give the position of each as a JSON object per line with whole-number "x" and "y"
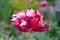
{"x": 43, "y": 5}
{"x": 29, "y": 20}
{"x": 52, "y": 9}
{"x": 43, "y": 9}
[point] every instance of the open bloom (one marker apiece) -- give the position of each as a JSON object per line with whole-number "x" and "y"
{"x": 29, "y": 20}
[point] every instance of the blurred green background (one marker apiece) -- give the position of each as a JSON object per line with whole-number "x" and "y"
{"x": 7, "y": 32}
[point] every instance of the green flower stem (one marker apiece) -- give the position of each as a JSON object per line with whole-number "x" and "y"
{"x": 12, "y": 37}
{"x": 27, "y": 36}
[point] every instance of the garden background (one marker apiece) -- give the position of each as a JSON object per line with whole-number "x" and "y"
{"x": 7, "y": 32}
